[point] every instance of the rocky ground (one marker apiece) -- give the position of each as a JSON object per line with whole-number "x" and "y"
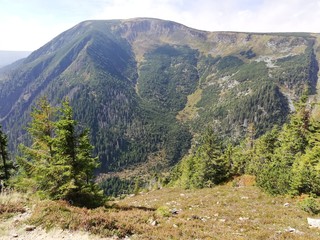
{"x": 229, "y": 212}
{"x": 15, "y": 228}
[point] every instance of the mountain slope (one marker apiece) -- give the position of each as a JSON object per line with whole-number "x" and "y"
{"x": 145, "y": 87}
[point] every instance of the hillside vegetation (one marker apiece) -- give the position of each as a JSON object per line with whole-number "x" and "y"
{"x": 224, "y": 212}
{"x": 148, "y": 89}
{"x": 182, "y": 118}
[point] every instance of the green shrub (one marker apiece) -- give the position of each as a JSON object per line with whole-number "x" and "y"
{"x": 310, "y": 205}
{"x": 163, "y": 211}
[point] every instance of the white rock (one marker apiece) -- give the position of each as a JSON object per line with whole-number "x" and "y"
{"x": 293, "y": 230}
{"x": 290, "y": 229}
{"x": 314, "y": 222}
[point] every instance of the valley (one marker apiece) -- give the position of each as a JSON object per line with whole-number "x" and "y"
{"x": 147, "y": 87}
{"x": 148, "y": 129}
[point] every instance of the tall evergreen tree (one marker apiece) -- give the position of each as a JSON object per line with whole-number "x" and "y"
{"x": 306, "y": 169}
{"x": 212, "y": 162}
{"x": 76, "y": 151}
{"x": 60, "y": 161}
{"x": 289, "y": 166}
{"x": 210, "y": 165}
{"x": 5, "y": 165}
{"x": 37, "y": 160}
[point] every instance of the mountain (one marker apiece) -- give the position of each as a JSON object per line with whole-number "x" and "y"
{"x": 147, "y": 87}
{"x": 8, "y": 57}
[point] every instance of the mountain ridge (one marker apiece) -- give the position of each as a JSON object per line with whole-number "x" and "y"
{"x": 146, "y": 87}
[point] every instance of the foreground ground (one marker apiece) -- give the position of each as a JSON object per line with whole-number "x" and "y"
{"x": 223, "y": 212}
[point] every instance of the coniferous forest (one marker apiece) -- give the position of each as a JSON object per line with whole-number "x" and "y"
{"x": 118, "y": 106}
{"x": 284, "y": 160}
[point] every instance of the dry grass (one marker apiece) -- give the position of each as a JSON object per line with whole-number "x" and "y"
{"x": 223, "y": 212}
{"x": 11, "y": 203}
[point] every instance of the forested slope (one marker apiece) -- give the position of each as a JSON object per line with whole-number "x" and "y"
{"x": 146, "y": 87}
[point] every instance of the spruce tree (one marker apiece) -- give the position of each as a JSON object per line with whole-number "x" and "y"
{"x": 37, "y": 161}
{"x": 306, "y": 169}
{"x": 59, "y": 160}
{"x": 208, "y": 166}
{"x": 6, "y": 166}
{"x": 76, "y": 151}
{"x": 287, "y": 165}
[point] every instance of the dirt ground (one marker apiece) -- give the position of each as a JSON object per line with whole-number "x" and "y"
{"x": 14, "y": 228}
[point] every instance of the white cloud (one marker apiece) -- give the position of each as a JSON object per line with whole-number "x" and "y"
{"x": 29, "y": 24}
{"x": 26, "y": 34}
{"x": 227, "y": 15}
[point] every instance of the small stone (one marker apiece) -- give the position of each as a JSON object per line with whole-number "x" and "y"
{"x": 286, "y": 204}
{"x": 154, "y": 223}
{"x": 222, "y": 220}
{"x": 175, "y": 225}
{"x": 243, "y": 218}
{"x": 15, "y": 235}
{"x": 290, "y": 229}
{"x": 30, "y": 228}
{"x": 174, "y": 211}
{"x": 293, "y": 230}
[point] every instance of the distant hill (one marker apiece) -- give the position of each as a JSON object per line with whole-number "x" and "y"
{"x": 146, "y": 87}
{"x": 8, "y": 57}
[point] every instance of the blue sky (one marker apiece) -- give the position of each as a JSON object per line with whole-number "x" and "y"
{"x": 29, "y": 24}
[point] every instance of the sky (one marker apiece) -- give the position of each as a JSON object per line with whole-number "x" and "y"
{"x": 26, "y": 25}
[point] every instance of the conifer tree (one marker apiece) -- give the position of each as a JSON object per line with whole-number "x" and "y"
{"x": 306, "y": 169}
{"x": 288, "y": 169}
{"x": 6, "y": 166}
{"x": 76, "y": 151}
{"x": 214, "y": 166}
{"x": 60, "y": 161}
{"x": 37, "y": 161}
{"x": 209, "y": 166}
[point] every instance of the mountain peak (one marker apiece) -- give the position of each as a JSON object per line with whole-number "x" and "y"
{"x": 145, "y": 86}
